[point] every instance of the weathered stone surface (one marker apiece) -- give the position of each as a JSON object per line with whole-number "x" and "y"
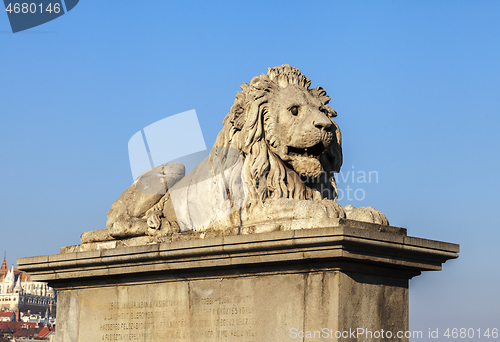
{"x": 301, "y": 221}
{"x": 272, "y": 166}
{"x": 255, "y": 287}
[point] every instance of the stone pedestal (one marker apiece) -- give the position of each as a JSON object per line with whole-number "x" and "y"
{"x": 348, "y": 282}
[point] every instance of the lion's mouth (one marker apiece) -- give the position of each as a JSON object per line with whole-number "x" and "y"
{"x": 310, "y": 152}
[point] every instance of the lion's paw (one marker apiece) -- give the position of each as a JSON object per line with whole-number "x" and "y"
{"x": 154, "y": 219}
{"x": 365, "y": 214}
{"x": 167, "y": 228}
{"x": 339, "y": 209}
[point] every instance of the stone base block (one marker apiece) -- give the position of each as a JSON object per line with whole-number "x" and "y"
{"x": 327, "y": 284}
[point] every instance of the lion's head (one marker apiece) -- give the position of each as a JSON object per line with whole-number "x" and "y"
{"x": 286, "y": 136}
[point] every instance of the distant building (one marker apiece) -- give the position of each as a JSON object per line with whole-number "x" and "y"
{"x": 37, "y": 318}
{"x": 7, "y": 316}
{"x": 19, "y": 294}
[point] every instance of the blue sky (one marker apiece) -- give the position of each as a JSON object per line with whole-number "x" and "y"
{"x": 416, "y": 85}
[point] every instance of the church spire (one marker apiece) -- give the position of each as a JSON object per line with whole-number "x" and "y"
{"x": 18, "y": 288}
{"x": 4, "y": 263}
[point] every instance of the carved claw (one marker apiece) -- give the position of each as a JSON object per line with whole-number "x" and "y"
{"x": 154, "y": 219}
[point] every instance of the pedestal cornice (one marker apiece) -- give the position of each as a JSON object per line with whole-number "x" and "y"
{"x": 346, "y": 247}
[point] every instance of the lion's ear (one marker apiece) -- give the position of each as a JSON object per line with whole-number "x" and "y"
{"x": 331, "y": 112}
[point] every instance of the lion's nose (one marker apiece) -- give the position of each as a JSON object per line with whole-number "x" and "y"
{"x": 322, "y": 122}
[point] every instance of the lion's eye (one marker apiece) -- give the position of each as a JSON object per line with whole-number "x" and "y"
{"x": 294, "y": 110}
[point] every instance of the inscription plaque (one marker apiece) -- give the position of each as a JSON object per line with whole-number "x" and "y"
{"x": 232, "y": 309}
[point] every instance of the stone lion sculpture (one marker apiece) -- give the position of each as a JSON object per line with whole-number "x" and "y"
{"x": 271, "y": 168}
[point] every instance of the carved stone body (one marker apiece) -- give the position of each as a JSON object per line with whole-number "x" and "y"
{"x": 272, "y": 166}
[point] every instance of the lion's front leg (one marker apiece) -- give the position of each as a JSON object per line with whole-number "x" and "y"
{"x": 127, "y": 227}
{"x": 365, "y": 214}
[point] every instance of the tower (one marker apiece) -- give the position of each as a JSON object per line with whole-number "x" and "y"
{"x": 4, "y": 263}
